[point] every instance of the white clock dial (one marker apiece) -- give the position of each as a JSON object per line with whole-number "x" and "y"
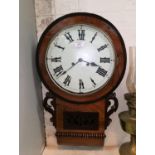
{"x": 80, "y": 59}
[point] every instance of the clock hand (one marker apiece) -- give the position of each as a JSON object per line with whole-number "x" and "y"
{"x": 73, "y": 64}
{"x": 85, "y": 61}
{"x": 93, "y": 64}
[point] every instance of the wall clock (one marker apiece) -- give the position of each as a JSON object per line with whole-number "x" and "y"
{"x": 81, "y": 59}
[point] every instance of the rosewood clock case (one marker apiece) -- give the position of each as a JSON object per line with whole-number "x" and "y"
{"x": 81, "y": 119}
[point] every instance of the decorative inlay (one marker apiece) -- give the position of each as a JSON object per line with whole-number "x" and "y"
{"x": 81, "y": 135}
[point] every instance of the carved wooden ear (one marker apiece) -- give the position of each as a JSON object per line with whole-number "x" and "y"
{"x": 110, "y": 108}
{"x": 49, "y": 105}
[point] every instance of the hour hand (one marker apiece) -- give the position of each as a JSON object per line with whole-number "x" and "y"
{"x": 93, "y": 64}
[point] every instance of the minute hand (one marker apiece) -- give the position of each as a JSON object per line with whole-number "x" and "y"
{"x": 73, "y": 64}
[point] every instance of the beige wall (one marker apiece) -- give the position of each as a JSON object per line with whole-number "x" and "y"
{"x": 122, "y": 14}
{"x": 31, "y": 122}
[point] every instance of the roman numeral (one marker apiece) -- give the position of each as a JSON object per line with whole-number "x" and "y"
{"x": 101, "y": 71}
{"x": 102, "y": 47}
{"x": 69, "y": 37}
{"x": 58, "y": 46}
{"x": 104, "y": 60}
{"x": 93, "y": 82}
{"x": 56, "y": 59}
{"x": 81, "y": 84}
{"x": 67, "y": 80}
{"x": 58, "y": 70}
{"x": 81, "y": 34}
{"x": 93, "y": 37}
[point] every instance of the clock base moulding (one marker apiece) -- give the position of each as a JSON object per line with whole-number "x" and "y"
{"x": 82, "y": 125}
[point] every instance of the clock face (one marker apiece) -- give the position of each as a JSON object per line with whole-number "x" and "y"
{"x": 80, "y": 59}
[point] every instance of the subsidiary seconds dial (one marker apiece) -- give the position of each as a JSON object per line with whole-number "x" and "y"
{"x": 80, "y": 59}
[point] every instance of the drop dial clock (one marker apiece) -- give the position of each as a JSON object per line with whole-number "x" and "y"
{"x": 81, "y": 59}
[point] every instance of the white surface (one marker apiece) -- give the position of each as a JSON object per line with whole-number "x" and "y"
{"x": 31, "y": 114}
{"x": 75, "y": 50}
{"x": 81, "y": 151}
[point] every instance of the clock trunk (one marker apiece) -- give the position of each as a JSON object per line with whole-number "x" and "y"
{"x": 80, "y": 124}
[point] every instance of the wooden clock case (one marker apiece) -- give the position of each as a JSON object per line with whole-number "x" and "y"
{"x": 81, "y": 119}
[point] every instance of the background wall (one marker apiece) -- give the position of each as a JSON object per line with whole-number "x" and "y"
{"x": 31, "y": 113}
{"x": 122, "y": 14}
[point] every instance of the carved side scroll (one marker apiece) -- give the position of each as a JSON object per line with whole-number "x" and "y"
{"x": 112, "y": 109}
{"x": 50, "y": 106}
